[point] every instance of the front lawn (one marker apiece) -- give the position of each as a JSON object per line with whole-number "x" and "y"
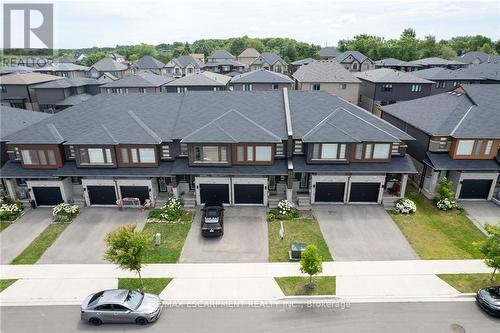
{"x": 5, "y": 283}
{"x": 173, "y": 236}
{"x": 470, "y": 283}
{"x": 36, "y": 249}
{"x": 151, "y": 285}
{"x": 4, "y": 224}
{"x": 295, "y": 285}
{"x": 304, "y": 230}
{"x": 436, "y": 234}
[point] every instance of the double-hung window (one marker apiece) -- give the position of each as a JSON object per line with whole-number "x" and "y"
{"x": 316, "y": 86}
{"x": 247, "y": 87}
{"x": 416, "y": 87}
{"x": 374, "y": 151}
{"x": 38, "y": 157}
{"x": 97, "y": 156}
{"x": 210, "y": 154}
{"x": 134, "y": 155}
{"x": 329, "y": 151}
{"x": 253, "y": 153}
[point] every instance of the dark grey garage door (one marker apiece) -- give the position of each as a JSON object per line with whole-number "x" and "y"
{"x": 47, "y": 196}
{"x": 364, "y": 192}
{"x": 141, "y": 192}
{"x": 249, "y": 194}
{"x": 475, "y": 189}
{"x": 329, "y": 192}
{"x": 214, "y": 193}
{"x": 102, "y": 195}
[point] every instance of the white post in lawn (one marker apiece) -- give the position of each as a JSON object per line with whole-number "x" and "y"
{"x": 282, "y": 230}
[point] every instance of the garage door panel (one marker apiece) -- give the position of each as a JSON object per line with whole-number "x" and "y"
{"x": 249, "y": 194}
{"x": 329, "y": 192}
{"x": 47, "y": 196}
{"x": 141, "y": 192}
{"x": 102, "y": 195}
{"x": 364, "y": 192}
{"x": 214, "y": 193}
{"x": 475, "y": 188}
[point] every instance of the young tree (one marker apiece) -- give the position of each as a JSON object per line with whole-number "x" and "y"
{"x": 126, "y": 248}
{"x": 490, "y": 247}
{"x": 311, "y": 263}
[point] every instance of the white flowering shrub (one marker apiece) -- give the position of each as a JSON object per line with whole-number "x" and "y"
{"x": 285, "y": 210}
{"x": 65, "y": 212}
{"x": 172, "y": 210}
{"x": 10, "y": 211}
{"x": 284, "y": 206}
{"x": 405, "y": 206}
{"x": 446, "y": 204}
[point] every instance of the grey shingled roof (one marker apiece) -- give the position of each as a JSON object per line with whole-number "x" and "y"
{"x": 268, "y": 57}
{"x": 200, "y": 79}
{"x": 221, "y": 54}
{"x": 436, "y": 61}
{"x": 355, "y": 54}
{"x": 324, "y": 71}
{"x": 482, "y": 56}
{"x": 304, "y": 61}
{"x": 74, "y": 100}
{"x": 440, "y": 73}
{"x": 387, "y": 75}
{"x": 108, "y": 65}
{"x": 329, "y": 52}
{"x": 148, "y": 62}
{"x": 62, "y": 67}
{"x": 27, "y": 78}
{"x": 474, "y": 114}
{"x": 223, "y": 62}
{"x": 183, "y": 61}
{"x": 393, "y": 62}
{"x": 67, "y": 82}
{"x": 14, "y": 119}
{"x": 443, "y": 161}
{"x": 153, "y": 118}
{"x": 261, "y": 76}
{"x": 140, "y": 80}
{"x": 486, "y": 70}
{"x": 249, "y": 52}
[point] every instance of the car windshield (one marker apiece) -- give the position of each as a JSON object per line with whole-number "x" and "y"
{"x": 212, "y": 213}
{"x": 133, "y": 299}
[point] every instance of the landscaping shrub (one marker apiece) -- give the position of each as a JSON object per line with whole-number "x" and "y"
{"x": 171, "y": 211}
{"x": 9, "y": 209}
{"x": 65, "y": 212}
{"x": 284, "y": 211}
{"x": 445, "y": 200}
{"x": 405, "y": 206}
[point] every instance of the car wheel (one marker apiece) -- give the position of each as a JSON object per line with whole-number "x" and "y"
{"x": 95, "y": 321}
{"x": 141, "y": 321}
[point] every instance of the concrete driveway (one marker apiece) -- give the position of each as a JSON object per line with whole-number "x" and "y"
{"x": 244, "y": 240}
{"x": 481, "y": 212}
{"x": 83, "y": 240}
{"x": 21, "y": 233}
{"x": 362, "y": 232}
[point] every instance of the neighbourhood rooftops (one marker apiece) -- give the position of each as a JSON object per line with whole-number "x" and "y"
{"x": 387, "y": 75}
{"x": 304, "y": 61}
{"x": 249, "y": 52}
{"x": 27, "y": 78}
{"x": 440, "y": 73}
{"x": 435, "y": 61}
{"x": 224, "y": 62}
{"x": 14, "y": 119}
{"x": 62, "y": 67}
{"x": 268, "y": 57}
{"x": 486, "y": 70}
{"x": 154, "y": 118}
{"x": 139, "y": 80}
{"x": 185, "y": 60}
{"x": 355, "y": 55}
{"x": 482, "y": 56}
{"x": 470, "y": 112}
{"x": 389, "y": 62}
{"x": 201, "y": 79}
{"x": 261, "y": 76}
{"x": 74, "y": 100}
{"x": 108, "y": 65}
{"x": 324, "y": 71}
{"x": 329, "y": 52}
{"x": 66, "y": 82}
{"x": 148, "y": 62}
{"x": 221, "y": 54}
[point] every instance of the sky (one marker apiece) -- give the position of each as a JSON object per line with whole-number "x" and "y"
{"x": 87, "y": 23}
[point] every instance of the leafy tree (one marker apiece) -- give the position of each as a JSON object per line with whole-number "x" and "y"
{"x": 490, "y": 247}
{"x": 445, "y": 189}
{"x": 311, "y": 263}
{"x": 91, "y": 59}
{"x": 409, "y": 32}
{"x": 487, "y": 48}
{"x": 447, "y": 52}
{"x": 126, "y": 246}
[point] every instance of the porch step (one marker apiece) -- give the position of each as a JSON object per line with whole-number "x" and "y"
{"x": 304, "y": 202}
{"x": 274, "y": 200}
{"x": 189, "y": 202}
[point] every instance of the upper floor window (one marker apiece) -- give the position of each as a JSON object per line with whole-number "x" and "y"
{"x": 96, "y": 156}
{"x": 184, "y": 149}
{"x": 297, "y": 147}
{"x": 247, "y": 87}
{"x": 182, "y": 89}
{"x": 329, "y": 151}
{"x": 253, "y": 153}
{"x": 38, "y": 157}
{"x": 315, "y": 86}
{"x": 354, "y": 66}
{"x": 456, "y": 83}
{"x": 274, "y": 86}
{"x": 3, "y": 89}
{"x": 278, "y": 69}
{"x": 372, "y": 151}
{"x": 226, "y": 68}
{"x": 142, "y": 90}
{"x": 177, "y": 70}
{"x": 343, "y": 86}
{"x": 210, "y": 154}
{"x": 387, "y": 87}
{"x": 190, "y": 70}
{"x": 132, "y": 155}
{"x": 474, "y": 147}
{"x": 441, "y": 84}
{"x": 416, "y": 87}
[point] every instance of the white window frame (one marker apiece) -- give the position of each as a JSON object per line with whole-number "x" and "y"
{"x": 463, "y": 147}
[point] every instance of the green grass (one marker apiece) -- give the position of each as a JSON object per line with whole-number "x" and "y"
{"x": 4, "y": 224}
{"x": 435, "y": 234}
{"x": 469, "y": 283}
{"x": 5, "y": 283}
{"x": 173, "y": 236}
{"x": 295, "y": 285}
{"x": 304, "y": 230}
{"x": 35, "y": 250}
{"x": 151, "y": 285}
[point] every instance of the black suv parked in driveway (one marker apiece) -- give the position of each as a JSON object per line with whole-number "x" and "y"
{"x": 212, "y": 220}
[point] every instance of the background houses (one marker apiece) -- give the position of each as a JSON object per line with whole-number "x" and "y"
{"x": 108, "y": 65}
{"x": 397, "y": 64}
{"x": 270, "y": 61}
{"x": 148, "y": 63}
{"x": 183, "y": 65}
{"x": 143, "y": 82}
{"x": 248, "y": 56}
{"x": 447, "y": 79}
{"x": 261, "y": 79}
{"x": 204, "y": 81}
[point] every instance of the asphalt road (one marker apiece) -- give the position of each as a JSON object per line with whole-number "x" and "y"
{"x": 442, "y": 317}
